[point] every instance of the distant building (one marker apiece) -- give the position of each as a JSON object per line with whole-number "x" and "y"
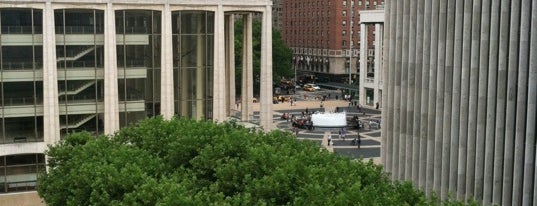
{"x": 277, "y": 13}
{"x": 325, "y": 34}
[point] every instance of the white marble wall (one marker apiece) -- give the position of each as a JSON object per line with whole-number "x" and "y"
{"x": 475, "y": 134}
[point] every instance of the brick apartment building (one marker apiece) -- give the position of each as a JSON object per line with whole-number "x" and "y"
{"x": 323, "y": 34}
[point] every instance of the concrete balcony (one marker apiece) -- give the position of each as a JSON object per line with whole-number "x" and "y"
{"x": 82, "y": 73}
{"x": 73, "y": 107}
{"x": 22, "y": 148}
{"x": 72, "y": 39}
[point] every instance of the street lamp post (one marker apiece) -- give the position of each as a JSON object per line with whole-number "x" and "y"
{"x": 295, "y": 64}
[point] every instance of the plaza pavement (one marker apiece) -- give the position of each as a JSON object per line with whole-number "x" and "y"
{"x": 370, "y": 136}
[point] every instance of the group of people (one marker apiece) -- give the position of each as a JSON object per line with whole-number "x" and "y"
{"x": 304, "y": 121}
{"x": 342, "y": 135}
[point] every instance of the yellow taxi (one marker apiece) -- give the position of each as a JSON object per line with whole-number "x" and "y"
{"x": 309, "y": 88}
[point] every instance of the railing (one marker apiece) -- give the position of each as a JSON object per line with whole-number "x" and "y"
{"x": 22, "y": 65}
{"x": 22, "y": 101}
{"x": 131, "y": 97}
{"x": 131, "y": 63}
{"x": 79, "y": 64}
{"x": 21, "y": 177}
{"x": 21, "y": 138}
{"x": 79, "y": 99}
{"x": 133, "y": 30}
{"x": 22, "y": 29}
{"x": 79, "y": 30}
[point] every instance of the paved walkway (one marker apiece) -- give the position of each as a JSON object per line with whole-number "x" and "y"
{"x": 370, "y": 134}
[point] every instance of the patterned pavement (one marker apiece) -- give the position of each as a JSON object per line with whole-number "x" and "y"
{"x": 370, "y": 134}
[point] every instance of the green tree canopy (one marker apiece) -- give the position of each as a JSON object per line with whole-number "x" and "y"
{"x": 187, "y": 162}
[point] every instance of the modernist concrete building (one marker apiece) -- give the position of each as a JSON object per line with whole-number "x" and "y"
{"x": 325, "y": 36}
{"x": 460, "y": 97}
{"x": 99, "y": 65}
{"x": 370, "y": 78}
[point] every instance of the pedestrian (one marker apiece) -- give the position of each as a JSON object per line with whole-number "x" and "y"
{"x": 307, "y": 110}
{"x": 343, "y": 133}
{"x": 329, "y": 139}
{"x": 359, "y": 142}
{"x": 339, "y": 134}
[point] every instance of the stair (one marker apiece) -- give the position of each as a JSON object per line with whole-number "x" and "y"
{"x": 78, "y": 56}
{"x": 77, "y": 89}
{"x": 79, "y": 122}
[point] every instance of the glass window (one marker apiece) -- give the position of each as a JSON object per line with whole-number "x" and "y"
{"x": 19, "y": 172}
{"x": 193, "y": 45}
{"x": 80, "y": 71}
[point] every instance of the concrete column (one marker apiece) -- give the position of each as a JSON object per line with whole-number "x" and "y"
{"x": 404, "y": 140}
{"x": 397, "y": 90}
{"x": 230, "y": 64}
{"x": 501, "y": 101}
{"x": 432, "y": 98}
{"x": 385, "y": 84}
{"x": 378, "y": 63}
{"x": 448, "y": 92}
{"x": 472, "y": 115}
{"x": 521, "y": 101}
{"x": 388, "y": 125}
{"x": 247, "y": 69}
{"x": 439, "y": 109}
{"x": 363, "y": 64}
{"x": 201, "y": 72}
{"x": 417, "y": 93}
{"x": 219, "y": 91}
{"x": 266, "y": 112}
{"x": 529, "y": 192}
{"x": 424, "y": 111}
{"x": 111, "y": 111}
{"x": 482, "y": 100}
{"x": 166, "y": 70}
{"x": 51, "y": 116}
{"x": 491, "y": 101}
{"x": 512, "y": 73}
{"x": 456, "y": 96}
{"x": 465, "y": 84}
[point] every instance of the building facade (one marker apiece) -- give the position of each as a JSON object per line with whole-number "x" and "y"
{"x": 277, "y": 13}
{"x": 325, "y": 35}
{"x": 460, "y": 103}
{"x": 98, "y": 66}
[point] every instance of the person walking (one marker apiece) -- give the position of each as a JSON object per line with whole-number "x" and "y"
{"x": 359, "y": 142}
{"x": 329, "y": 139}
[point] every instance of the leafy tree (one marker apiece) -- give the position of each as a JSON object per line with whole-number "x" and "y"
{"x": 281, "y": 54}
{"x": 184, "y": 162}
